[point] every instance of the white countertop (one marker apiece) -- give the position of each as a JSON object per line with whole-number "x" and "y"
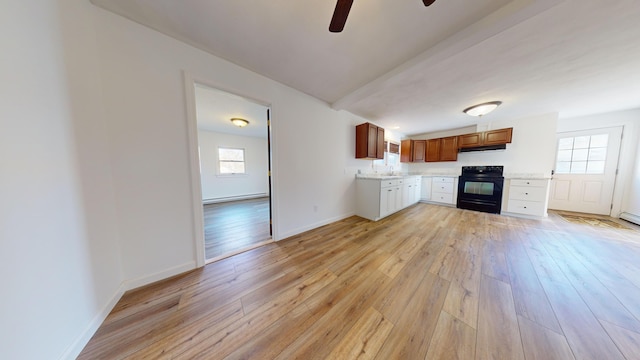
{"x": 382, "y": 176}
{"x": 528, "y": 176}
{"x": 441, "y": 174}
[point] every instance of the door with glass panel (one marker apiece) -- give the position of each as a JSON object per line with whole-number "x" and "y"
{"x": 585, "y": 173}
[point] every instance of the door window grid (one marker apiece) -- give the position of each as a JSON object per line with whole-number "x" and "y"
{"x": 231, "y": 161}
{"x": 582, "y": 154}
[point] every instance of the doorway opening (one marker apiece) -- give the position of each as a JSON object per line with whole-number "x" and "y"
{"x": 235, "y": 169}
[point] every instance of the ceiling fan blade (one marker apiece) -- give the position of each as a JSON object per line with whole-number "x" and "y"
{"x": 428, "y": 2}
{"x": 340, "y": 15}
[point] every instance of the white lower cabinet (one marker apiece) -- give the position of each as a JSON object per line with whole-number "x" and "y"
{"x": 528, "y": 197}
{"x": 411, "y": 190}
{"x": 417, "y": 180}
{"x": 425, "y": 191}
{"x": 443, "y": 190}
{"x": 388, "y": 199}
{"x": 378, "y": 198}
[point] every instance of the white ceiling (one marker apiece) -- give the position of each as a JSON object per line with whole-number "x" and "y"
{"x": 215, "y": 109}
{"x": 399, "y": 63}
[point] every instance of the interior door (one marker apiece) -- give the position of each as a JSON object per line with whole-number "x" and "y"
{"x": 585, "y": 173}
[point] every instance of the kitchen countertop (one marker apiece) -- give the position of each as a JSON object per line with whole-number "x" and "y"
{"x": 382, "y": 176}
{"x": 443, "y": 175}
{"x": 527, "y": 176}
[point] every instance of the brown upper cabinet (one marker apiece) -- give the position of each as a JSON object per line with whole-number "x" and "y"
{"x": 497, "y": 137}
{"x": 491, "y": 137}
{"x": 442, "y": 149}
{"x": 369, "y": 141}
{"x": 406, "y": 150}
{"x": 471, "y": 140}
{"x": 394, "y": 148}
{"x": 446, "y": 149}
{"x": 412, "y": 150}
{"x": 433, "y": 150}
{"x": 418, "y": 150}
{"x": 449, "y": 148}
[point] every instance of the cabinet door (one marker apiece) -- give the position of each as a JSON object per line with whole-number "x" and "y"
{"x": 449, "y": 148}
{"x": 406, "y": 194}
{"x": 387, "y": 201}
{"x": 398, "y": 199}
{"x": 419, "y": 150}
{"x": 380, "y": 148}
{"x": 367, "y": 142}
{"x": 432, "y": 151}
{"x": 405, "y": 150}
{"x": 372, "y": 141}
{"x": 498, "y": 137}
{"x": 425, "y": 191}
{"x": 417, "y": 189}
{"x": 471, "y": 140}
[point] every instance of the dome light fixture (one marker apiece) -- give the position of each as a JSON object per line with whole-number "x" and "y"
{"x": 239, "y": 122}
{"x": 482, "y": 109}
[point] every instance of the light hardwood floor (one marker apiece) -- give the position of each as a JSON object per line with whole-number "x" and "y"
{"x": 429, "y": 282}
{"x": 230, "y": 227}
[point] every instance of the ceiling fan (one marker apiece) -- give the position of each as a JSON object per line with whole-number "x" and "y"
{"x": 342, "y": 11}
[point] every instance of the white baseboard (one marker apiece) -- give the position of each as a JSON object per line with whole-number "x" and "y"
{"x": 313, "y": 226}
{"x": 234, "y": 198}
{"x": 630, "y": 217}
{"x": 161, "y": 275}
{"x": 74, "y": 350}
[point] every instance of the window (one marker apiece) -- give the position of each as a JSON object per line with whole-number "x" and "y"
{"x": 231, "y": 161}
{"x": 582, "y": 154}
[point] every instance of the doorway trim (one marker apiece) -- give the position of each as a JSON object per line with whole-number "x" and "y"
{"x": 197, "y": 212}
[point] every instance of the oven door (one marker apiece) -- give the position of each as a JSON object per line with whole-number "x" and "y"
{"x": 480, "y": 193}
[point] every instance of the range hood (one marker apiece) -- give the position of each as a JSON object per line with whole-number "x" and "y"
{"x": 483, "y": 148}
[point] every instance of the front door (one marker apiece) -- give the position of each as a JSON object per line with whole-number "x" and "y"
{"x": 585, "y": 173}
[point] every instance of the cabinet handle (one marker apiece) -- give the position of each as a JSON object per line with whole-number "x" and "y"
{"x": 528, "y": 183}
{"x": 390, "y": 190}
{"x": 525, "y": 207}
{"x": 526, "y": 193}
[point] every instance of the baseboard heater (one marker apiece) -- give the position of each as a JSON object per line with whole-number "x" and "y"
{"x": 630, "y": 218}
{"x": 233, "y": 198}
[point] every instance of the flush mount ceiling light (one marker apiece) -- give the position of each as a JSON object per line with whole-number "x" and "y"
{"x": 239, "y": 122}
{"x": 482, "y": 109}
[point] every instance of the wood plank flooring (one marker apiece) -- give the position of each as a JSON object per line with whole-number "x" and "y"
{"x": 230, "y": 227}
{"x": 430, "y": 282}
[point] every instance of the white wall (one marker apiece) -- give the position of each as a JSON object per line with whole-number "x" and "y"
{"x": 631, "y": 207}
{"x": 626, "y": 197}
{"x": 220, "y": 187}
{"x": 143, "y": 89}
{"x": 532, "y": 150}
{"x": 59, "y": 253}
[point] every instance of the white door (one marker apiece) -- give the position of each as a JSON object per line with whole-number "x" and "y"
{"x": 585, "y": 173}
